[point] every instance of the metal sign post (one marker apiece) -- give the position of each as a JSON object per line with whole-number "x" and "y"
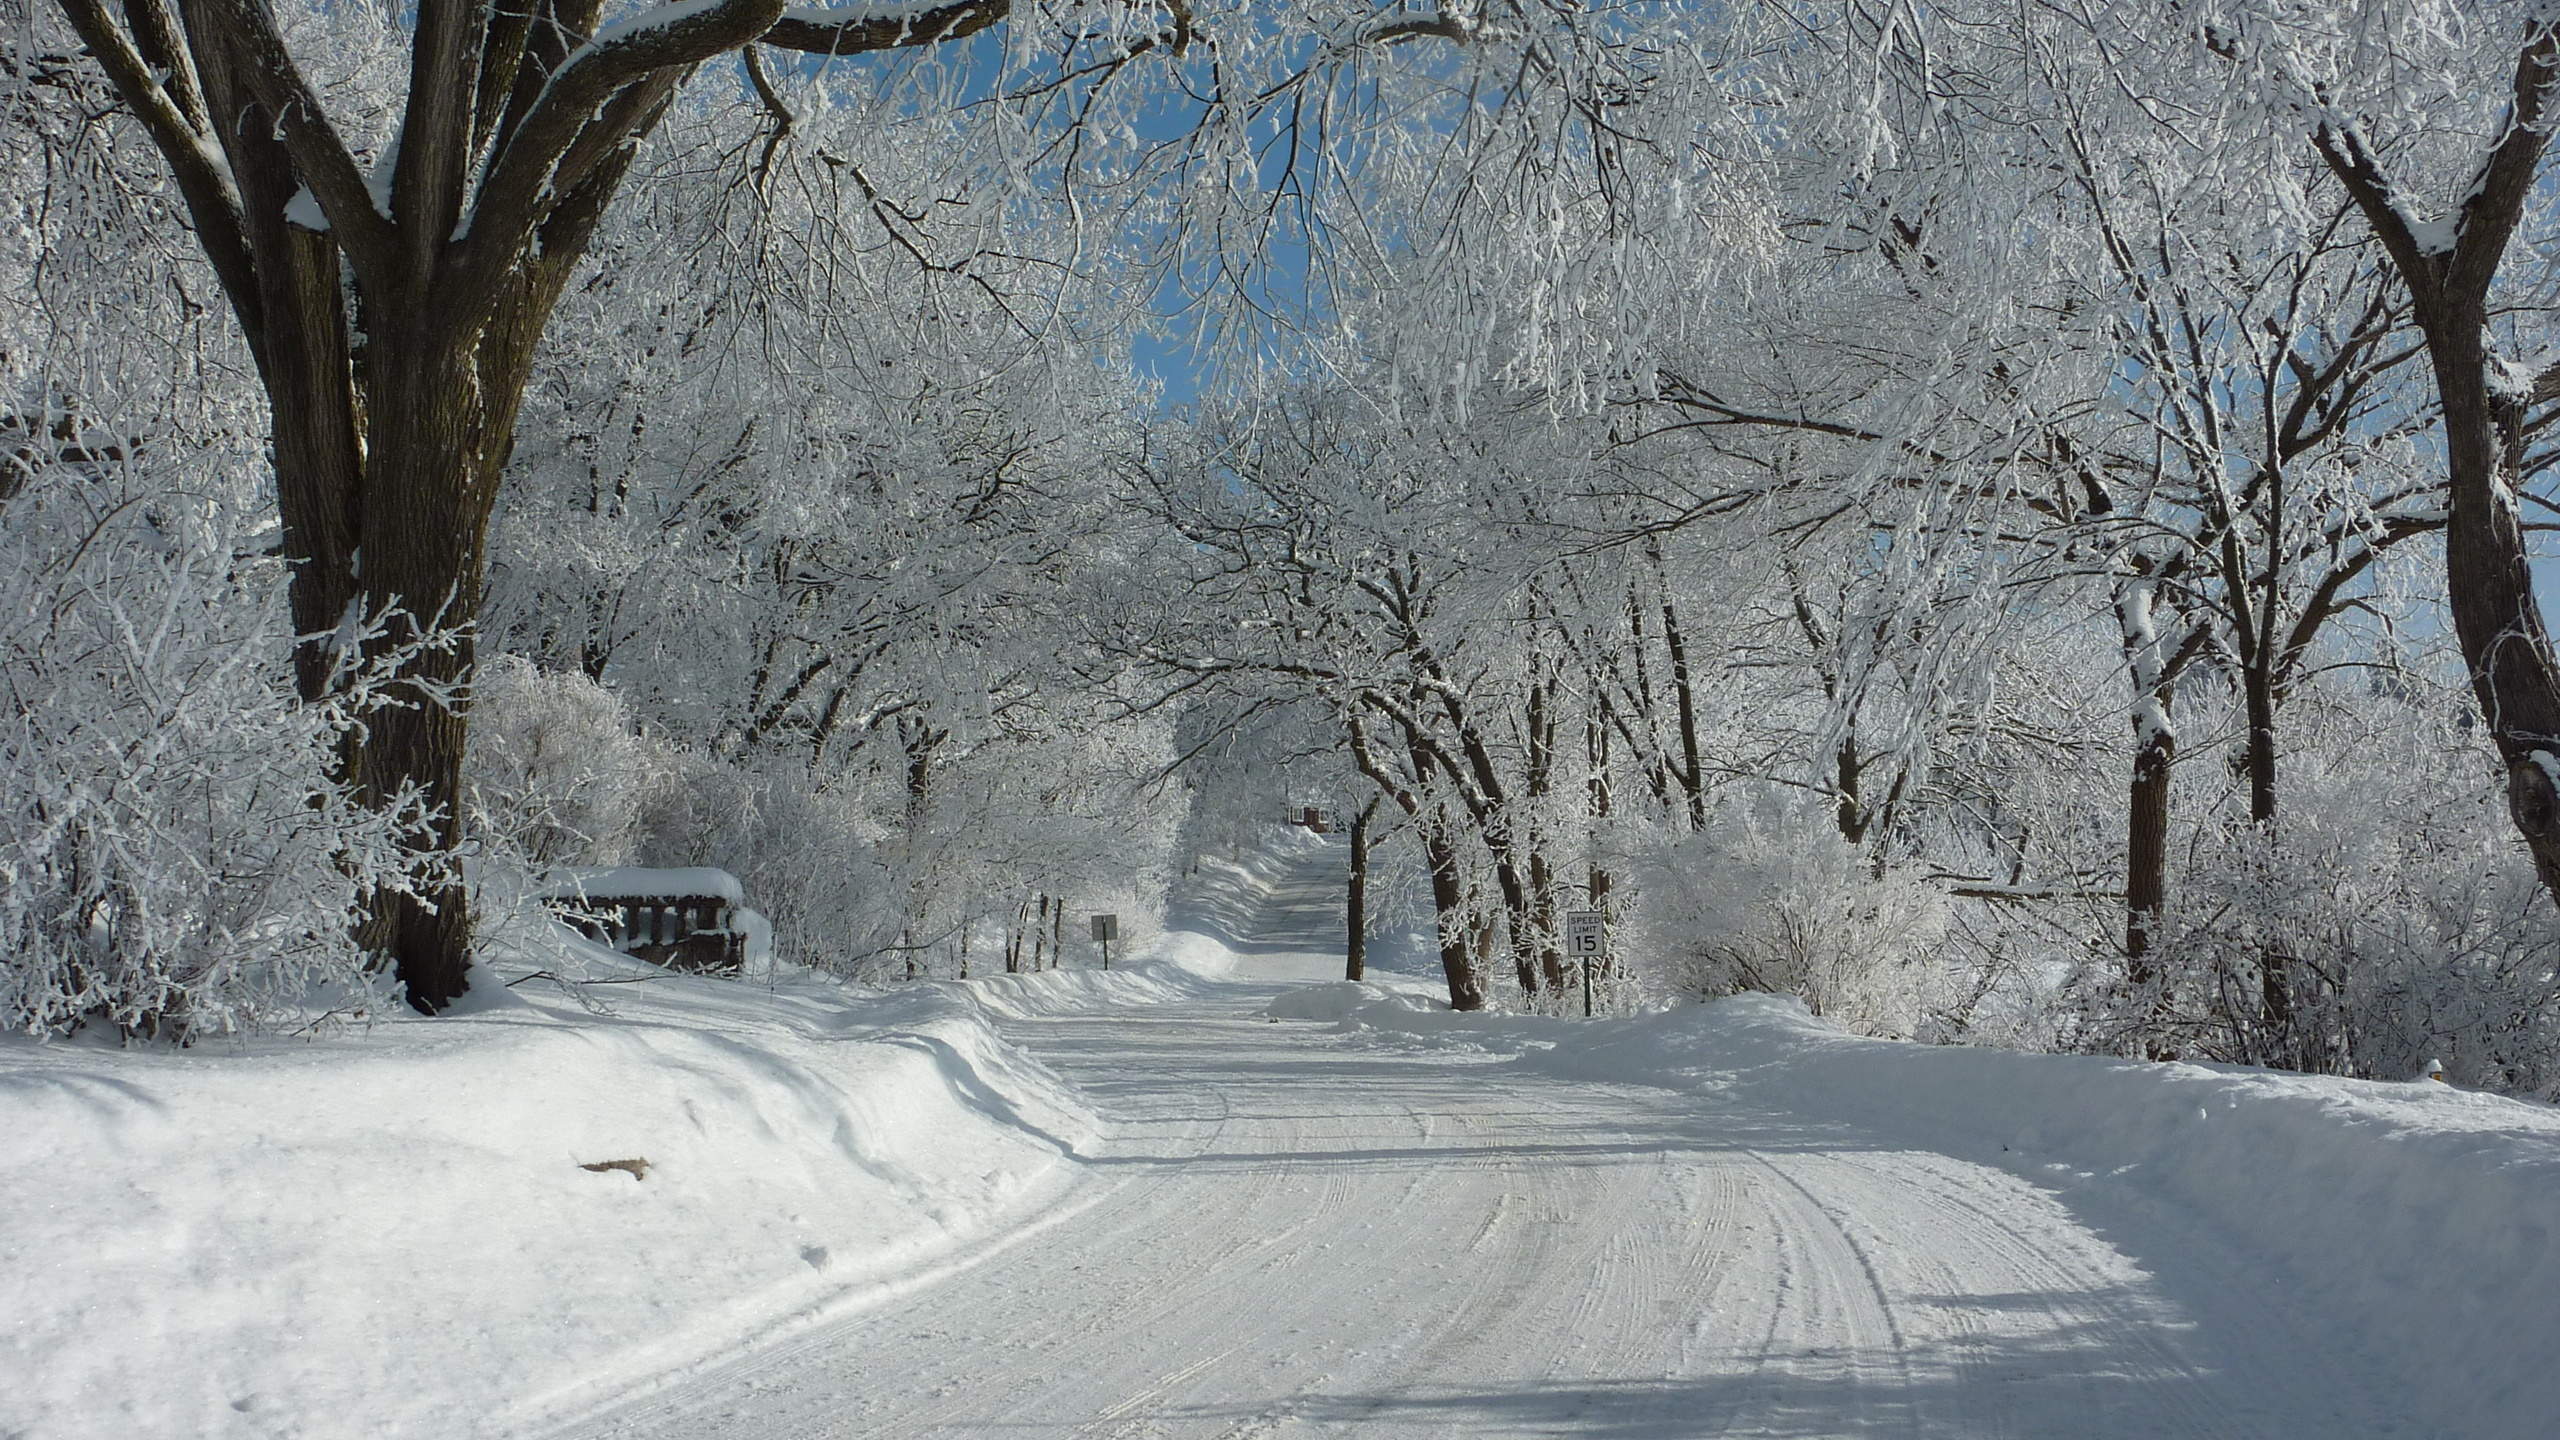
{"x": 1106, "y": 928}
{"x": 1586, "y": 939}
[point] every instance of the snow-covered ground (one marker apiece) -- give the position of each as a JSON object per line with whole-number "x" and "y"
{"x": 1217, "y": 1194}
{"x": 394, "y": 1233}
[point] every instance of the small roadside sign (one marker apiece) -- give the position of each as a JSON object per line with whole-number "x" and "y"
{"x": 1586, "y": 934}
{"x": 1106, "y": 928}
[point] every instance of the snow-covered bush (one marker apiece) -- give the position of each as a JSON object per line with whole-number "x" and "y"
{"x": 556, "y": 774}
{"x": 2400, "y": 919}
{"x": 1773, "y": 899}
{"x": 807, "y": 855}
{"x": 175, "y": 860}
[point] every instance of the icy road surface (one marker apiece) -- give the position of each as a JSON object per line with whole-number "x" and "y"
{"x": 1290, "y": 1234}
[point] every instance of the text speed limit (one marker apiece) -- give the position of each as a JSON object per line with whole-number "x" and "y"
{"x": 1586, "y": 934}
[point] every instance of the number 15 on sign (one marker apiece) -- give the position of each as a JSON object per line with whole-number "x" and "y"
{"x": 1586, "y": 938}
{"x": 1586, "y": 934}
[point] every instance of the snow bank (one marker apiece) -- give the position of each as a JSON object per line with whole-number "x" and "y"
{"x": 1144, "y": 981}
{"x": 634, "y": 882}
{"x": 1337, "y": 1000}
{"x": 1405, "y": 1006}
{"x": 399, "y": 1232}
{"x": 2415, "y": 1221}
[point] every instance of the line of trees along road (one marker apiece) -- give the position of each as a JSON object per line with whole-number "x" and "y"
{"x": 1930, "y": 510}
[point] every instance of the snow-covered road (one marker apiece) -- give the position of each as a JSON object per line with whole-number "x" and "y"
{"x": 1285, "y": 1233}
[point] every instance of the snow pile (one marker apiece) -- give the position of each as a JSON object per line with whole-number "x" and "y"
{"x": 280, "y": 1238}
{"x": 633, "y": 882}
{"x": 2414, "y": 1220}
{"x": 1408, "y": 1008}
{"x": 1142, "y": 981}
{"x": 1337, "y": 1000}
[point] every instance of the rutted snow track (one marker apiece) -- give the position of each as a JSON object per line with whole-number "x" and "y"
{"x": 1285, "y": 1236}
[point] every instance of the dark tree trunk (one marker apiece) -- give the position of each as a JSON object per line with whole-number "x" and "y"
{"x": 516, "y": 132}
{"x": 1355, "y": 905}
{"x": 1849, "y": 770}
{"x": 2489, "y": 580}
{"x": 1596, "y": 742}
{"x": 2146, "y": 883}
{"x": 2258, "y": 692}
{"x": 1448, "y": 905}
{"x": 428, "y": 491}
{"x": 1542, "y": 919}
{"x": 2488, "y": 577}
{"x": 1515, "y": 911}
{"x": 1541, "y": 738}
{"x": 1691, "y": 777}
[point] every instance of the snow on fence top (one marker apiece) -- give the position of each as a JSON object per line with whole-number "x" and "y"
{"x": 632, "y": 882}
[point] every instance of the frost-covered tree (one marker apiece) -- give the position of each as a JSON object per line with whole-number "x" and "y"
{"x": 176, "y": 859}
{"x": 393, "y": 252}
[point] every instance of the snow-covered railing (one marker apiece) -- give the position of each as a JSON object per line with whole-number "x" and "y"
{"x": 689, "y": 918}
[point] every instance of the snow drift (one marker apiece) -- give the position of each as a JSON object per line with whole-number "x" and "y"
{"x": 2415, "y": 1220}
{"x": 276, "y": 1237}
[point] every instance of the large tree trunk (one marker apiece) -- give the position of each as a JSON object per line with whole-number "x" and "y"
{"x": 426, "y": 496}
{"x": 1448, "y": 905}
{"x": 518, "y": 127}
{"x": 2489, "y": 582}
{"x": 2488, "y": 575}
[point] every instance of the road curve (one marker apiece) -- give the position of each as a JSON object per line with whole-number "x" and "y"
{"x": 1289, "y": 1235}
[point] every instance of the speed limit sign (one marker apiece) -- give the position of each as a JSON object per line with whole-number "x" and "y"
{"x": 1586, "y": 934}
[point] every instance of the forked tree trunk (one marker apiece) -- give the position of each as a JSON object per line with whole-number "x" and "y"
{"x": 2488, "y": 575}
{"x": 1439, "y": 853}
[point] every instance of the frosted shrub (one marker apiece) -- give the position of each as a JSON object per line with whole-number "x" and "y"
{"x": 1777, "y": 901}
{"x": 805, "y": 854}
{"x": 2401, "y": 921}
{"x": 174, "y": 859}
{"x": 556, "y": 775}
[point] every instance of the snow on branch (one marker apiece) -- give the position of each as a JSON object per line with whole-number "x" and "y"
{"x": 855, "y": 29}
{"x": 675, "y": 33}
{"x": 588, "y": 100}
{"x": 892, "y": 25}
{"x": 1443, "y": 26}
{"x": 327, "y": 166}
